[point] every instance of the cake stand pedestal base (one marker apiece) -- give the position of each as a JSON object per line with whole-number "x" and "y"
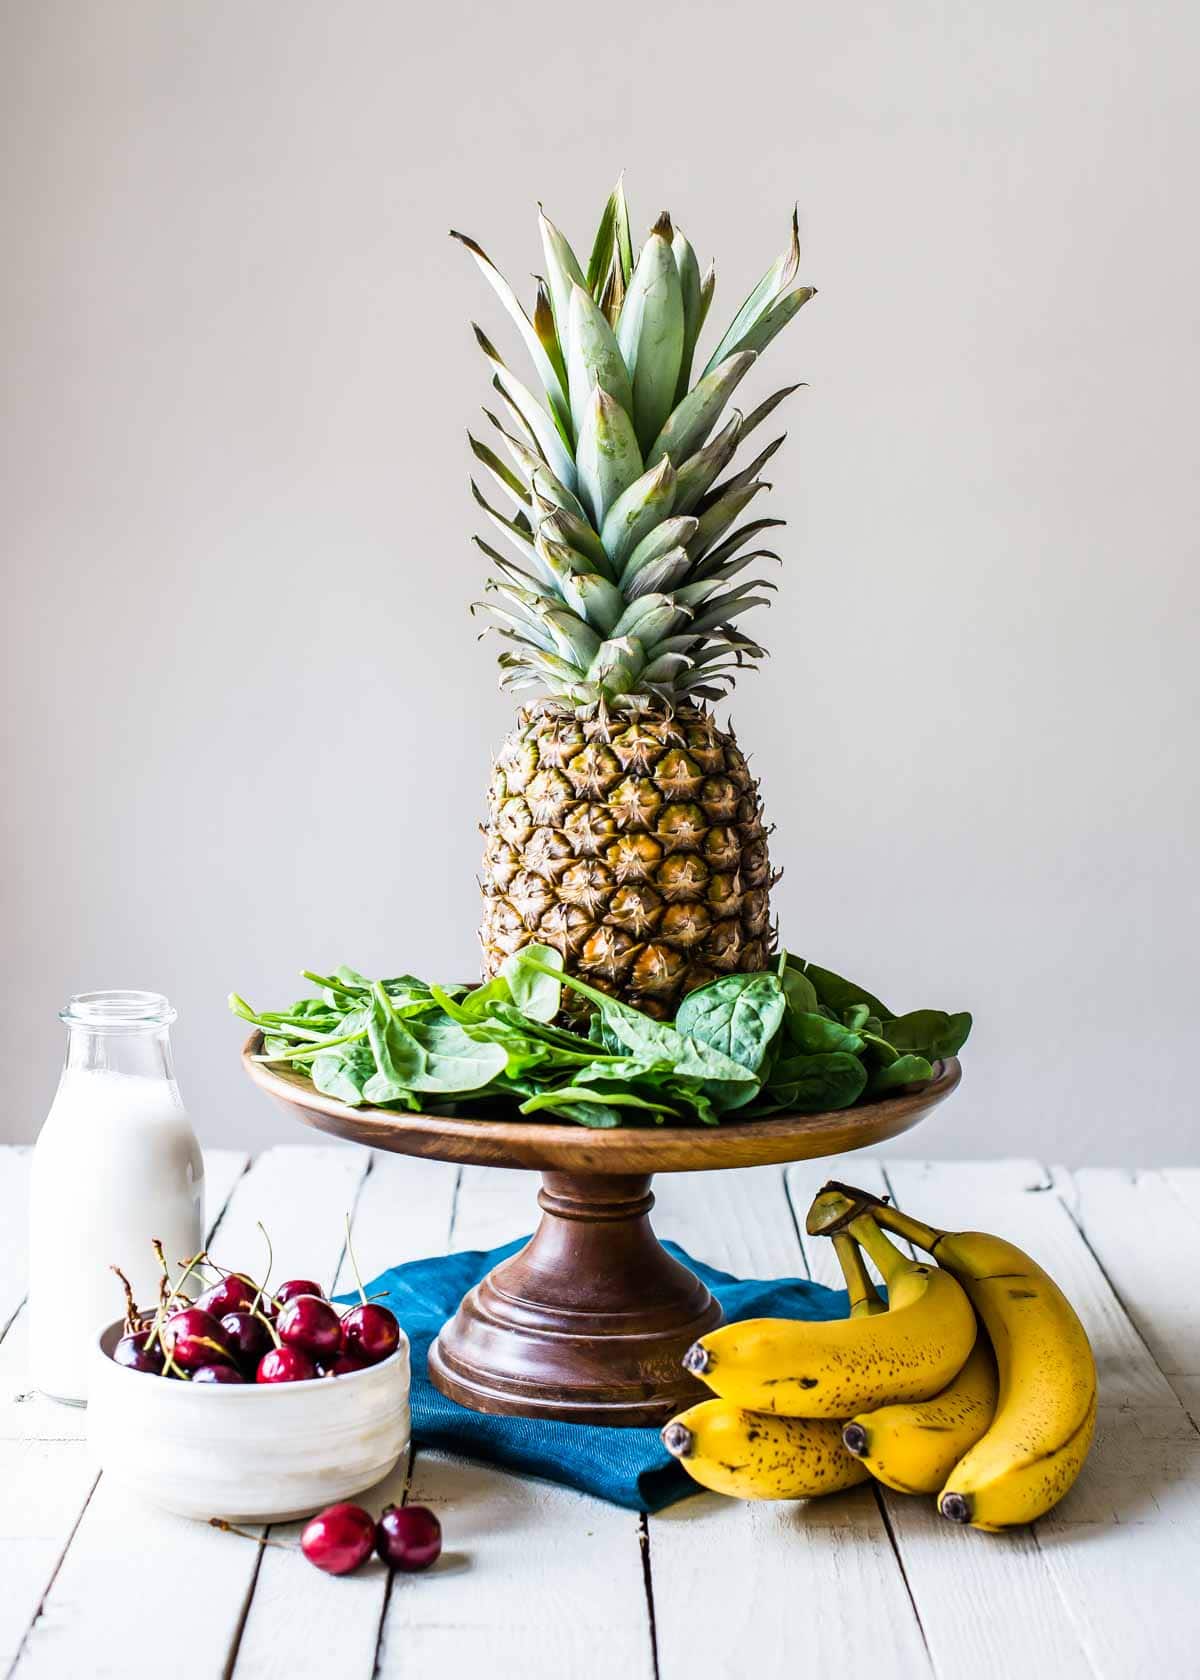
{"x": 588, "y": 1323}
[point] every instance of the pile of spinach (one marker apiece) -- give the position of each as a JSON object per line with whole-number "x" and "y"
{"x": 795, "y": 1039}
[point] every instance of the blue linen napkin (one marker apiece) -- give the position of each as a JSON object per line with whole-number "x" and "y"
{"x": 630, "y": 1467}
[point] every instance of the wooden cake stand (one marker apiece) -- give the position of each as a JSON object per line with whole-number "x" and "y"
{"x": 590, "y": 1320}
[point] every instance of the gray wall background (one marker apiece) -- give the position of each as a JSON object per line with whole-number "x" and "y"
{"x": 247, "y": 724}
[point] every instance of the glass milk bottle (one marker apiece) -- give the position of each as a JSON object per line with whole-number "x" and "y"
{"x": 116, "y": 1164}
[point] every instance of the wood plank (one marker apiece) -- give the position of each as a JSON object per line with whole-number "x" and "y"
{"x": 46, "y": 1477}
{"x": 722, "y": 1570}
{"x": 1127, "y": 1536}
{"x": 1138, "y": 1224}
{"x": 964, "y": 1585}
{"x": 125, "y": 1555}
{"x": 299, "y": 1621}
{"x": 540, "y": 1581}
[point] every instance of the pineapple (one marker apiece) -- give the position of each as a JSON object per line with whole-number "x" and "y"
{"x": 624, "y": 827}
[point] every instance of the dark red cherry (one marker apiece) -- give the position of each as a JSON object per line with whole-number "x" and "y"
{"x": 194, "y": 1337}
{"x": 297, "y": 1286}
{"x": 408, "y": 1537}
{"x": 132, "y": 1352}
{"x": 309, "y": 1323}
{"x": 217, "y": 1374}
{"x": 232, "y": 1294}
{"x": 370, "y": 1332}
{"x": 343, "y": 1365}
{"x": 248, "y": 1339}
{"x": 285, "y": 1364}
{"x": 339, "y": 1539}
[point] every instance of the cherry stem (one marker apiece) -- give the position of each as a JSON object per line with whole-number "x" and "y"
{"x": 259, "y": 1539}
{"x": 362, "y": 1294}
{"x": 266, "y": 1275}
{"x": 132, "y": 1317}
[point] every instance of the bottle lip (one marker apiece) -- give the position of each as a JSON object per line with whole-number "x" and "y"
{"x": 118, "y": 1010}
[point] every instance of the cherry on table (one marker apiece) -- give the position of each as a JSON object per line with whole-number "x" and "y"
{"x": 217, "y": 1374}
{"x": 408, "y": 1537}
{"x": 132, "y": 1352}
{"x": 285, "y": 1364}
{"x": 309, "y": 1323}
{"x": 194, "y": 1337}
{"x": 339, "y": 1539}
{"x": 370, "y": 1332}
{"x": 248, "y": 1338}
{"x": 231, "y": 1294}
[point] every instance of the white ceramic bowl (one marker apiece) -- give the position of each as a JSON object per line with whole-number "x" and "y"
{"x": 248, "y": 1452}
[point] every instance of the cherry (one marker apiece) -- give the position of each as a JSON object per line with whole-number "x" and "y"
{"x": 217, "y": 1374}
{"x": 337, "y": 1540}
{"x": 297, "y": 1286}
{"x": 309, "y": 1323}
{"x": 132, "y": 1352}
{"x": 370, "y": 1332}
{"x": 408, "y": 1537}
{"x": 343, "y": 1365}
{"x": 248, "y": 1338}
{"x": 285, "y": 1364}
{"x": 232, "y": 1294}
{"x": 193, "y": 1338}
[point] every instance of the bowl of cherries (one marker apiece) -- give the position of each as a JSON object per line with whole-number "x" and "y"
{"x": 247, "y": 1404}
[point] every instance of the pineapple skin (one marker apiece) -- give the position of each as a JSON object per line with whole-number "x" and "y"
{"x": 632, "y": 843}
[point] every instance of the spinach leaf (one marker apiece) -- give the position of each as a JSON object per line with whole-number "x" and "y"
{"x": 343, "y": 1073}
{"x": 816, "y": 1034}
{"x": 811, "y": 1084}
{"x": 837, "y": 993}
{"x": 798, "y": 989}
{"x": 929, "y": 1032}
{"x": 425, "y": 1055}
{"x": 905, "y": 1071}
{"x": 568, "y": 1097}
{"x": 533, "y": 979}
{"x": 739, "y": 1015}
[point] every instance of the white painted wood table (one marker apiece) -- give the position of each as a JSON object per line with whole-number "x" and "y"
{"x": 540, "y": 1581}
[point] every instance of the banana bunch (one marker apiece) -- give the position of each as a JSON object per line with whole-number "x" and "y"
{"x": 974, "y": 1382}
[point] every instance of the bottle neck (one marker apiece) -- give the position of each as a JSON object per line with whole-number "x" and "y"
{"x": 119, "y": 1032}
{"x": 146, "y": 1054}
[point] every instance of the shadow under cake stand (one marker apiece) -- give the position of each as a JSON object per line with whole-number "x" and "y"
{"x": 590, "y": 1320}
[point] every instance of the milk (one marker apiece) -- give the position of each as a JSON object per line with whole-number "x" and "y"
{"x": 116, "y": 1164}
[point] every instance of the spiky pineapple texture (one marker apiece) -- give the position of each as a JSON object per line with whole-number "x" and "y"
{"x": 623, "y": 593}
{"x": 635, "y": 846}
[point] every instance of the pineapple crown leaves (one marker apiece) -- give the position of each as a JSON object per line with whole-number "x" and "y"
{"x": 624, "y": 579}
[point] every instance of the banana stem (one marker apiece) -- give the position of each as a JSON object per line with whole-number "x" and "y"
{"x": 885, "y": 1254}
{"x": 913, "y": 1230}
{"x": 865, "y": 1299}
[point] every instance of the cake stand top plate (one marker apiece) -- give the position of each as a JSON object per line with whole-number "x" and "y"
{"x": 554, "y": 1147}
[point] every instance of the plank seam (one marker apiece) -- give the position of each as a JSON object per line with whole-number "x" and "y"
{"x": 49, "y": 1587}
{"x": 791, "y": 1207}
{"x": 885, "y": 1514}
{"x": 247, "y": 1599}
{"x": 229, "y": 1195}
{"x": 648, "y": 1583}
{"x": 458, "y": 1178}
{"x": 385, "y": 1605}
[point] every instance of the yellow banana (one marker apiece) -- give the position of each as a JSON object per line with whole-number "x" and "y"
{"x": 832, "y": 1369}
{"x": 913, "y": 1448}
{"x": 750, "y": 1456}
{"x": 1046, "y": 1404}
